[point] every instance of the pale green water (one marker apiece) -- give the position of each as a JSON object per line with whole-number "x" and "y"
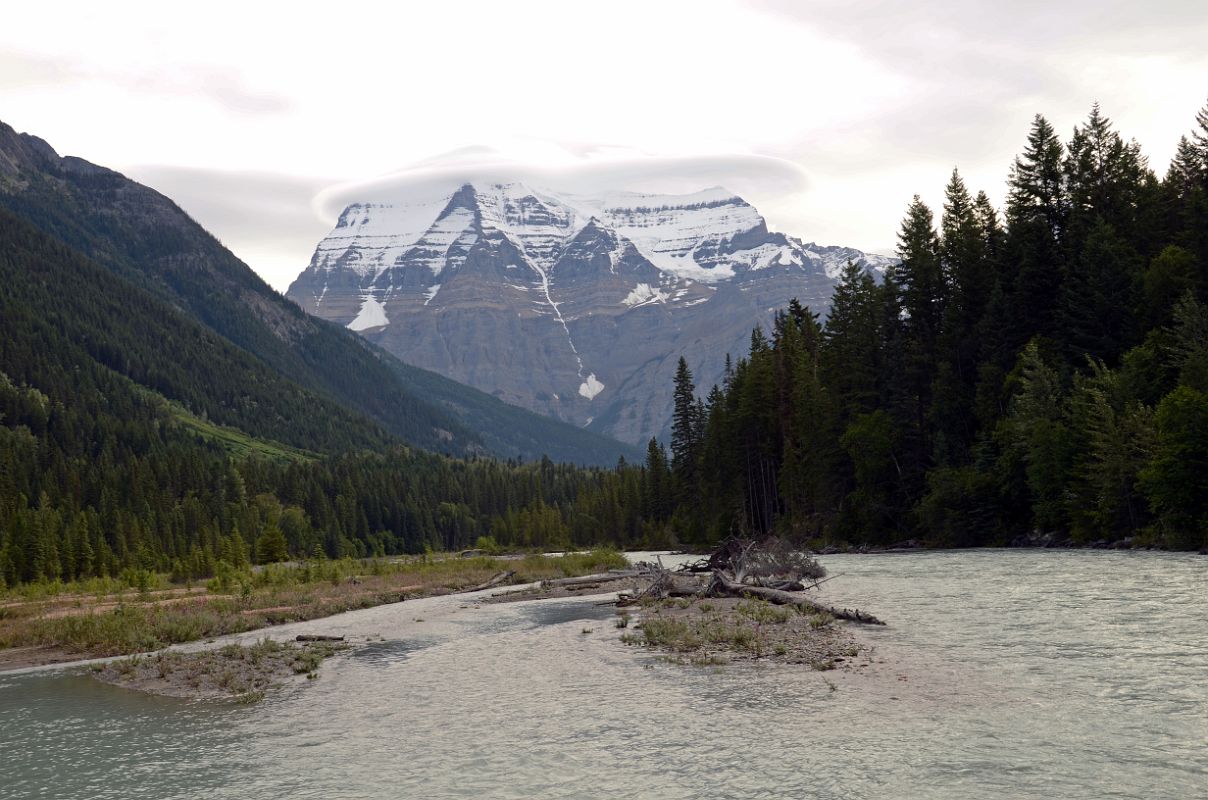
{"x": 1002, "y": 675}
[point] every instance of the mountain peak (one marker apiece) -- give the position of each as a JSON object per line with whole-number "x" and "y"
{"x": 533, "y": 294}
{"x": 23, "y": 150}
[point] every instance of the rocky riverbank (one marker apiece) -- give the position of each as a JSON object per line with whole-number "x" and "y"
{"x": 702, "y": 631}
{"x": 74, "y": 624}
{"x": 244, "y": 673}
{"x": 677, "y": 615}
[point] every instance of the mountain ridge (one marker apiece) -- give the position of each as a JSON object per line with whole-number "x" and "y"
{"x": 147, "y": 240}
{"x": 610, "y": 289}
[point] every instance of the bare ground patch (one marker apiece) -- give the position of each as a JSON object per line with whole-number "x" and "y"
{"x": 699, "y": 629}
{"x": 73, "y": 625}
{"x": 726, "y": 629}
{"x": 239, "y": 672}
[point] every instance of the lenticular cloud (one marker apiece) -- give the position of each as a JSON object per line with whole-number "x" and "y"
{"x": 571, "y": 168}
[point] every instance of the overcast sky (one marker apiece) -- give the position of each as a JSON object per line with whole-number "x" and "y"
{"x": 261, "y": 118}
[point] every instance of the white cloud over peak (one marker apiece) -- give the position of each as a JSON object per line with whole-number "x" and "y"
{"x": 826, "y": 114}
{"x": 577, "y": 168}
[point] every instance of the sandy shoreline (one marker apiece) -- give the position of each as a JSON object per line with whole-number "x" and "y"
{"x": 96, "y": 620}
{"x": 688, "y": 631}
{"x": 411, "y": 613}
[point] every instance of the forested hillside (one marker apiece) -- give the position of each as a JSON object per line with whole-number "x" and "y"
{"x": 134, "y": 438}
{"x": 144, "y": 371}
{"x": 1040, "y": 372}
{"x": 144, "y": 238}
{"x": 67, "y": 322}
{"x": 1043, "y": 370}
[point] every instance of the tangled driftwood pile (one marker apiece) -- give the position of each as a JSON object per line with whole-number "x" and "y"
{"x": 769, "y": 569}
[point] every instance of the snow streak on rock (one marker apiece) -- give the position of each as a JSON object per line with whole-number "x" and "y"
{"x": 644, "y": 293}
{"x": 591, "y": 387}
{"x": 372, "y": 315}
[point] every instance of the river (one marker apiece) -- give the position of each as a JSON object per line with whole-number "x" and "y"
{"x": 1001, "y": 674}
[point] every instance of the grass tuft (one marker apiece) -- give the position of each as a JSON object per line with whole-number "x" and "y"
{"x": 111, "y": 618}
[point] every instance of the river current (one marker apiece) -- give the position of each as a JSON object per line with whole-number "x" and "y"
{"x": 1001, "y": 674}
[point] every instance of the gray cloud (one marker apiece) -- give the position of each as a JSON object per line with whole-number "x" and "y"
{"x": 223, "y": 87}
{"x": 976, "y": 72}
{"x": 929, "y": 29}
{"x": 25, "y": 71}
{"x": 972, "y": 76}
{"x": 978, "y": 67}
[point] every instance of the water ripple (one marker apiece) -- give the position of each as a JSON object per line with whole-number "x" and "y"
{"x": 1002, "y": 674}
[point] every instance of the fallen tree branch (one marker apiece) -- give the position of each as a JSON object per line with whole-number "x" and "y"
{"x": 525, "y": 589}
{"x": 818, "y": 583}
{"x": 314, "y": 637}
{"x": 589, "y": 579}
{"x": 493, "y": 582}
{"x": 725, "y": 585}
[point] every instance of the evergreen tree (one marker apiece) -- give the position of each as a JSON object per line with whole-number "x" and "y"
{"x": 921, "y": 282}
{"x": 853, "y": 337}
{"x": 657, "y": 493}
{"x": 1170, "y": 275}
{"x": 1188, "y": 346}
{"x": 923, "y": 292}
{"x": 271, "y": 546}
{"x": 1199, "y": 138}
{"x": 968, "y": 230}
{"x": 685, "y": 433}
{"x": 1104, "y": 176}
{"x": 1037, "y": 428}
{"x": 1037, "y": 190}
{"x": 1186, "y": 173}
{"x": 1097, "y": 297}
{"x": 1176, "y": 479}
{"x": 1037, "y": 210}
{"x": 1116, "y": 432}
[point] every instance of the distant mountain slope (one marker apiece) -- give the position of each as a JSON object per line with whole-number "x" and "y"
{"x": 574, "y": 306}
{"x": 61, "y": 313}
{"x": 144, "y": 238}
{"x": 63, "y": 317}
{"x": 511, "y": 431}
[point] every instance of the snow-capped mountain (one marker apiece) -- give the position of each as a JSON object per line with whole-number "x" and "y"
{"x": 574, "y": 306}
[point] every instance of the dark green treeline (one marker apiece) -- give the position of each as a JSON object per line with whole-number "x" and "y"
{"x": 98, "y": 476}
{"x": 100, "y": 473}
{"x": 1040, "y": 370}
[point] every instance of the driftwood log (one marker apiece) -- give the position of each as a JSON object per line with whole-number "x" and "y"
{"x": 590, "y": 579}
{"x": 770, "y": 570}
{"x": 723, "y": 584}
{"x": 493, "y": 582}
{"x": 769, "y": 561}
{"x": 314, "y": 637}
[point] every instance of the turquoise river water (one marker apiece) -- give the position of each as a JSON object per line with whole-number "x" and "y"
{"x": 1001, "y": 674}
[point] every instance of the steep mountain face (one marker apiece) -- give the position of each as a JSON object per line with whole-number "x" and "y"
{"x": 577, "y": 307}
{"x": 278, "y": 353}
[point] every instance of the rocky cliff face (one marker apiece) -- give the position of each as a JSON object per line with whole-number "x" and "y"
{"x": 576, "y": 307}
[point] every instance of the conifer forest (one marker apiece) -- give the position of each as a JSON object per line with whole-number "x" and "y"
{"x": 1036, "y": 372}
